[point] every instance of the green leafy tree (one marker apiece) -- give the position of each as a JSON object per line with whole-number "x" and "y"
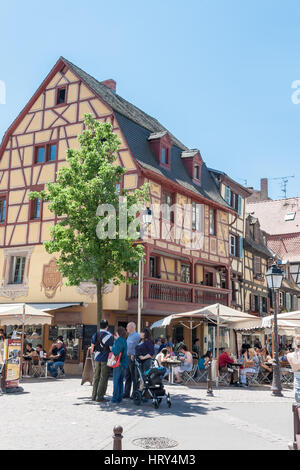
{"x": 90, "y": 179}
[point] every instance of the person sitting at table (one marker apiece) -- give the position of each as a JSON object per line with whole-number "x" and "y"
{"x": 58, "y": 360}
{"x": 41, "y": 352}
{"x": 250, "y": 366}
{"x": 187, "y": 363}
{"x": 162, "y": 356}
{"x": 30, "y": 353}
{"x": 171, "y": 353}
{"x": 223, "y": 362}
{"x": 283, "y": 356}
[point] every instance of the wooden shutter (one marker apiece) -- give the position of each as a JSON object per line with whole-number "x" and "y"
{"x": 240, "y": 205}
{"x": 240, "y": 245}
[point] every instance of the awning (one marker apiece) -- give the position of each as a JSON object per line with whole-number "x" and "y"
{"x": 48, "y": 307}
{"x": 290, "y": 321}
{"x": 227, "y": 316}
{"x": 19, "y": 314}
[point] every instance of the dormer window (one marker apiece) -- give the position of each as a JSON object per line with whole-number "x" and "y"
{"x": 192, "y": 161}
{"x": 164, "y": 156}
{"x": 161, "y": 146}
{"x": 61, "y": 95}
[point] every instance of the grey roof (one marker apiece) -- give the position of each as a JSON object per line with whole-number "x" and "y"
{"x": 137, "y": 127}
{"x": 122, "y": 106}
{"x": 137, "y": 139}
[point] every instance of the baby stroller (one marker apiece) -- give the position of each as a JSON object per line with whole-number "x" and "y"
{"x": 150, "y": 385}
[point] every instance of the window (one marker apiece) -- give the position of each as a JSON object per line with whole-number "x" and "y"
{"x": 212, "y": 222}
{"x": 289, "y": 216}
{"x": 36, "y": 208}
{"x": 61, "y": 96}
{"x": 40, "y": 155}
{"x": 197, "y": 217}
{"x": 164, "y": 156}
{"x": 167, "y": 202}
{"x": 185, "y": 273}
{"x": 17, "y": 269}
{"x": 257, "y": 265}
{"x": 233, "y": 245}
{"x": 236, "y": 246}
{"x": 45, "y": 153}
{"x": 233, "y": 199}
{"x": 209, "y": 279}
{"x": 153, "y": 266}
{"x": 51, "y": 154}
{"x": 252, "y": 233}
{"x": 264, "y": 304}
{"x": 2, "y": 209}
{"x": 196, "y": 172}
{"x": 256, "y": 303}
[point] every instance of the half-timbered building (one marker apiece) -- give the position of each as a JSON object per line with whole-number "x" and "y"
{"x": 178, "y": 275}
{"x": 235, "y": 195}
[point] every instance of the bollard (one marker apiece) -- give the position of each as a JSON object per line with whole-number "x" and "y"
{"x": 117, "y": 438}
{"x": 209, "y": 381}
{"x": 296, "y": 413}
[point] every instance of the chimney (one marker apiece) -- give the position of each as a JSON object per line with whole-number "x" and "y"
{"x": 110, "y": 83}
{"x": 264, "y": 189}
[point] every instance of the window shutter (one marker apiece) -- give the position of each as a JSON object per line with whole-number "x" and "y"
{"x": 241, "y": 249}
{"x": 227, "y": 195}
{"x": 239, "y": 205}
{"x": 288, "y": 301}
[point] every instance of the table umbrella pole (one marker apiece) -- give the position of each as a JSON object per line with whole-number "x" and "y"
{"x": 22, "y": 341}
{"x": 218, "y": 344}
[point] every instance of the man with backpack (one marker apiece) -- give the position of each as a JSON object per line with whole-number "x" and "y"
{"x": 101, "y": 345}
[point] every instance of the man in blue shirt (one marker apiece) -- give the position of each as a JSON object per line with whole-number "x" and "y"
{"x": 102, "y": 343}
{"x": 133, "y": 340}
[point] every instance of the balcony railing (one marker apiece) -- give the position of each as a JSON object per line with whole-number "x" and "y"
{"x": 168, "y": 291}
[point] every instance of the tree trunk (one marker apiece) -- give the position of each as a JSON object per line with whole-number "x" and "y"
{"x": 99, "y": 302}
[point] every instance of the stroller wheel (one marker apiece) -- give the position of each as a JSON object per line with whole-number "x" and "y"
{"x": 137, "y": 398}
{"x": 156, "y": 403}
{"x": 169, "y": 401}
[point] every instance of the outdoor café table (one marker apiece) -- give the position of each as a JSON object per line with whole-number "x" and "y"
{"x": 171, "y": 364}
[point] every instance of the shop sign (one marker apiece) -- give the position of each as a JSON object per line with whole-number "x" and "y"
{"x": 13, "y": 359}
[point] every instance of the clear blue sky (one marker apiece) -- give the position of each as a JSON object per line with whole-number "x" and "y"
{"x": 217, "y": 73}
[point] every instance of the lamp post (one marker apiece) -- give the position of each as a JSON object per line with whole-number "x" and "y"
{"x": 274, "y": 278}
{"x": 147, "y": 219}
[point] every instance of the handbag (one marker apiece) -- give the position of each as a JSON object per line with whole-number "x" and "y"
{"x": 113, "y": 361}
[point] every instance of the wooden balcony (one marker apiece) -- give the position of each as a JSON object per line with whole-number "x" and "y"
{"x": 158, "y": 292}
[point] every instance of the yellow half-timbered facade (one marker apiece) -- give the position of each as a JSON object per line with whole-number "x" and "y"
{"x": 187, "y": 254}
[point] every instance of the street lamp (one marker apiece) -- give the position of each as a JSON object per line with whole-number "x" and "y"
{"x": 147, "y": 219}
{"x": 274, "y": 278}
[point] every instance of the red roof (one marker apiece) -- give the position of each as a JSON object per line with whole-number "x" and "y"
{"x": 277, "y": 217}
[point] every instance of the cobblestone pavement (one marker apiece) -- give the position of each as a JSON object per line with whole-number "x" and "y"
{"x": 59, "y": 414}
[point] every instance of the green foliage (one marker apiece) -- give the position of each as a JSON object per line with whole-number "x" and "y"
{"x": 88, "y": 180}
